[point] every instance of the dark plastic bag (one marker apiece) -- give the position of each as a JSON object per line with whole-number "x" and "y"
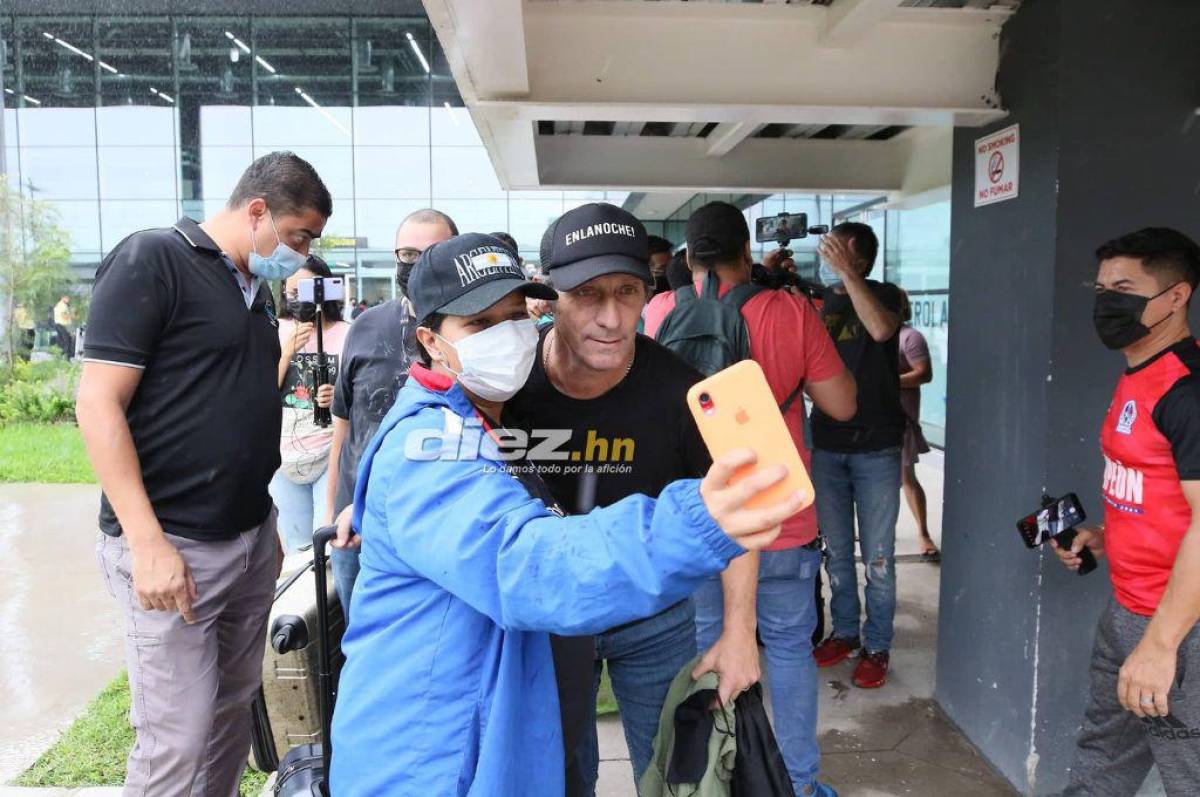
{"x": 758, "y": 769}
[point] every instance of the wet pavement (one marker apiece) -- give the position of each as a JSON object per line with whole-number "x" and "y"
{"x": 62, "y": 640}
{"x": 60, "y": 629}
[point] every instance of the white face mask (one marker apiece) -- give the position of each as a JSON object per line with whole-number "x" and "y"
{"x": 497, "y": 361}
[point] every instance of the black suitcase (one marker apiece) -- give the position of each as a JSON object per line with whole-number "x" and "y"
{"x": 287, "y": 709}
{"x": 305, "y": 769}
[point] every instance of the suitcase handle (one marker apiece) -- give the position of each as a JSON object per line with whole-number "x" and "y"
{"x": 321, "y": 538}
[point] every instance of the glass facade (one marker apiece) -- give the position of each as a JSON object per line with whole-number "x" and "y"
{"x": 124, "y": 123}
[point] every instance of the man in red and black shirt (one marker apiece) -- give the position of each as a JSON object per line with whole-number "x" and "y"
{"x": 1145, "y": 693}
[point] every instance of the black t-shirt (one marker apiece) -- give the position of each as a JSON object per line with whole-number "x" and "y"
{"x": 206, "y": 414}
{"x": 879, "y": 423}
{"x": 375, "y": 358}
{"x": 636, "y": 438}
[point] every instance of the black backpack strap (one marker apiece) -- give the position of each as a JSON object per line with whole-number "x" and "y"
{"x": 791, "y": 399}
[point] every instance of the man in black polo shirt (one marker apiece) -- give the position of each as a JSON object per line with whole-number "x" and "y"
{"x": 179, "y": 408}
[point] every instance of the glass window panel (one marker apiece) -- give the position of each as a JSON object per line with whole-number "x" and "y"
{"x": 335, "y": 165}
{"x": 119, "y": 218}
{"x": 388, "y": 70}
{"x": 280, "y": 127}
{"x": 303, "y": 66}
{"x": 59, "y": 172}
{"x": 12, "y": 165}
{"x": 342, "y": 224}
{"x": 215, "y": 92}
{"x": 464, "y": 172}
{"x": 57, "y": 127}
{"x": 10, "y": 120}
{"x": 225, "y": 125}
{"x": 220, "y": 169}
{"x": 390, "y": 126}
{"x": 135, "y": 125}
{"x": 53, "y": 73}
{"x": 81, "y": 220}
{"x": 479, "y": 215}
{"x": 377, "y": 220}
{"x": 137, "y": 172}
{"x": 453, "y": 126}
{"x": 529, "y": 219}
{"x": 135, "y": 61}
{"x": 391, "y": 172}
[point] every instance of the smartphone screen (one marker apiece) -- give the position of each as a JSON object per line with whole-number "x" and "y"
{"x": 788, "y": 225}
{"x": 1039, "y": 527}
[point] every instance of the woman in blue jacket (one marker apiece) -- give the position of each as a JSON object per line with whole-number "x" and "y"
{"x": 468, "y": 566}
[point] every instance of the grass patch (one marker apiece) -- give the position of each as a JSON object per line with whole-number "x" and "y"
{"x": 605, "y": 702}
{"x": 93, "y": 750}
{"x": 47, "y": 453}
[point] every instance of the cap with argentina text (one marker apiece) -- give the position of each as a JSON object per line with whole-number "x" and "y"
{"x": 467, "y": 274}
{"x": 594, "y": 240}
{"x": 717, "y": 230}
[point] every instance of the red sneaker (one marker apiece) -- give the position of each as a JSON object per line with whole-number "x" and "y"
{"x": 872, "y": 670}
{"x": 834, "y": 651}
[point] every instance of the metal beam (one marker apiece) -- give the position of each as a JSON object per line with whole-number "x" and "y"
{"x": 679, "y": 164}
{"x": 849, "y": 21}
{"x": 739, "y": 112}
{"x": 728, "y": 135}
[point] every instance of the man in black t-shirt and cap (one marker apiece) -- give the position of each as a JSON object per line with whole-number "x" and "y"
{"x": 179, "y": 407}
{"x": 856, "y": 463}
{"x": 619, "y": 399}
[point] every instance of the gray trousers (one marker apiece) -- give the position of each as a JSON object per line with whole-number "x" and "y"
{"x": 1116, "y": 749}
{"x": 191, "y": 685}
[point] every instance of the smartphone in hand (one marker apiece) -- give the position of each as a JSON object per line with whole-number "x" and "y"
{"x": 735, "y": 408}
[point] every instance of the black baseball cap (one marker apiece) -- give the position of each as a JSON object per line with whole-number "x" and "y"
{"x": 467, "y": 274}
{"x": 717, "y": 230}
{"x": 593, "y": 240}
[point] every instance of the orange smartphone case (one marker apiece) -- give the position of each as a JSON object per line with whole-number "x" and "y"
{"x": 740, "y": 412}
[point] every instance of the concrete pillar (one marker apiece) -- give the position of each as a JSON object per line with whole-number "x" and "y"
{"x": 1105, "y": 92}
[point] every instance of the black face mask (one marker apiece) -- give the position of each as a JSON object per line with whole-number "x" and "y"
{"x": 403, "y": 272}
{"x": 304, "y": 312}
{"x": 661, "y": 285}
{"x": 1118, "y": 317}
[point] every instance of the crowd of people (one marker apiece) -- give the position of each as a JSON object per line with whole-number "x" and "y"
{"x": 522, "y": 498}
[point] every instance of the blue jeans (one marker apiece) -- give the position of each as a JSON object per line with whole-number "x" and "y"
{"x": 345, "y": 573}
{"x": 787, "y": 615}
{"x": 870, "y": 483}
{"x": 643, "y": 658}
{"x": 301, "y": 507}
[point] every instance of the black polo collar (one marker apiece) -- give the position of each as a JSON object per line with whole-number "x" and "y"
{"x": 195, "y": 235}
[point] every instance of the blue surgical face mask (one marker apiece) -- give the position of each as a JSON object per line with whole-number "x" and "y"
{"x": 828, "y": 276}
{"x": 280, "y": 264}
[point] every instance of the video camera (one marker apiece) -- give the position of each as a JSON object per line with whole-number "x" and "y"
{"x": 782, "y": 229}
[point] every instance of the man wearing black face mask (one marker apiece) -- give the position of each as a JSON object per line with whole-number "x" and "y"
{"x": 1143, "y": 709}
{"x": 379, "y": 349}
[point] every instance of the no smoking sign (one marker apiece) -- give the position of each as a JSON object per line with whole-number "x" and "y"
{"x": 997, "y": 166}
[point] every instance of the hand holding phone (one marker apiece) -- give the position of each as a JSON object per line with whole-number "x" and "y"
{"x": 1084, "y": 561}
{"x": 735, "y": 409}
{"x": 1057, "y": 520}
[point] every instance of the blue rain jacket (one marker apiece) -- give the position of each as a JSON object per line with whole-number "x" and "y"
{"x": 448, "y": 686}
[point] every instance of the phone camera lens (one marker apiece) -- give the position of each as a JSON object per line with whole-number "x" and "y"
{"x": 705, "y": 398}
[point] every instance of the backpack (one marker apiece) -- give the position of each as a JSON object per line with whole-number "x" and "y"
{"x": 708, "y": 331}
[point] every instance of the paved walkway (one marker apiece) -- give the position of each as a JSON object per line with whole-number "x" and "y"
{"x": 61, "y": 631}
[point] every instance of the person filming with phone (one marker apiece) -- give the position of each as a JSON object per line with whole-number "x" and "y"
{"x": 1144, "y": 706}
{"x": 299, "y": 486}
